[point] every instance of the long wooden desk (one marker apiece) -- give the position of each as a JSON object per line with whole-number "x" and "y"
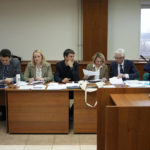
{"x": 51, "y": 109}
{"x": 38, "y": 111}
{"x": 35, "y": 111}
{"x": 122, "y": 124}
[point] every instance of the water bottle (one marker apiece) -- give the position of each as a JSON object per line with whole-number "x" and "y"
{"x": 17, "y": 79}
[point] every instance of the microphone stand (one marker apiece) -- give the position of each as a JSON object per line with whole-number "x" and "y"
{"x": 144, "y": 58}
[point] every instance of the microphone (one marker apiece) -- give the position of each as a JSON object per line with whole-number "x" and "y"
{"x": 143, "y": 58}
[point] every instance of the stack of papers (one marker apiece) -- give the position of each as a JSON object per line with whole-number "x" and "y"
{"x": 108, "y": 86}
{"x": 21, "y": 83}
{"x": 32, "y": 87}
{"x": 2, "y": 84}
{"x": 37, "y": 82}
{"x": 26, "y": 87}
{"x": 56, "y": 86}
{"x": 116, "y": 81}
{"x": 39, "y": 87}
{"x": 72, "y": 85}
{"x": 137, "y": 83}
{"x": 1, "y": 81}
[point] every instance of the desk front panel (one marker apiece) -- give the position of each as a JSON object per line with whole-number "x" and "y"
{"x": 38, "y": 112}
{"x": 85, "y": 117}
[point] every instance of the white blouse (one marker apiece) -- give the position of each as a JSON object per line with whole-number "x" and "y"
{"x": 97, "y": 69}
{"x": 38, "y": 72}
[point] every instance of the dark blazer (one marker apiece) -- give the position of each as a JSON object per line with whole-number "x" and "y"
{"x": 129, "y": 68}
{"x": 63, "y": 71}
{"x": 147, "y": 68}
{"x": 13, "y": 68}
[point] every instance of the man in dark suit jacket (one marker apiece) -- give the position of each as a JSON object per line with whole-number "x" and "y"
{"x": 9, "y": 67}
{"x": 147, "y": 68}
{"x": 67, "y": 70}
{"x": 123, "y": 68}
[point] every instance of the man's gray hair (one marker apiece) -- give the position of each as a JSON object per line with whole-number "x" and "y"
{"x": 120, "y": 51}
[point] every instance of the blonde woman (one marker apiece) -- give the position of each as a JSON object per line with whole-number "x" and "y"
{"x": 38, "y": 69}
{"x": 98, "y": 64}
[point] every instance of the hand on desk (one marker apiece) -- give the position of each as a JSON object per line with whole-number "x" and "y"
{"x": 66, "y": 80}
{"x": 121, "y": 76}
{"x": 40, "y": 79}
{"x": 85, "y": 77}
{"x": 8, "y": 80}
{"x": 31, "y": 80}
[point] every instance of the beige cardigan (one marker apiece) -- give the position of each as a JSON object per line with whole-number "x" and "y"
{"x": 30, "y": 72}
{"x": 103, "y": 71}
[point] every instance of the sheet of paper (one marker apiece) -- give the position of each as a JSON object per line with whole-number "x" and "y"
{"x": 53, "y": 84}
{"x": 137, "y": 83}
{"x": 32, "y": 87}
{"x": 1, "y": 81}
{"x": 90, "y": 73}
{"x": 21, "y": 83}
{"x": 72, "y": 84}
{"x": 37, "y": 82}
{"x": 38, "y": 87}
{"x": 116, "y": 81}
{"x": 26, "y": 87}
{"x": 56, "y": 87}
{"x": 109, "y": 86}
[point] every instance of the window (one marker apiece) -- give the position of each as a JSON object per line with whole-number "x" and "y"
{"x": 145, "y": 31}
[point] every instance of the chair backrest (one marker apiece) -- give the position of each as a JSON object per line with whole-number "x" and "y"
{"x": 145, "y": 76}
{"x": 14, "y": 56}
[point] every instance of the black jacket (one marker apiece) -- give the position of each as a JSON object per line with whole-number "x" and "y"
{"x": 63, "y": 71}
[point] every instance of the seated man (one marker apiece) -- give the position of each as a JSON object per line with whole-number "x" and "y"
{"x": 147, "y": 68}
{"x": 9, "y": 67}
{"x": 123, "y": 68}
{"x": 67, "y": 69}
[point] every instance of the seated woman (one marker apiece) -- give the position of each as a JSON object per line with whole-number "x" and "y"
{"x": 38, "y": 69}
{"x": 98, "y": 64}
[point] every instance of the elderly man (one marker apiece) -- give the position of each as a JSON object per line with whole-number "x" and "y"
{"x": 123, "y": 68}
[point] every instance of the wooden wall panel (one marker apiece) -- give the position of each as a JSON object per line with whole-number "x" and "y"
{"x": 95, "y": 19}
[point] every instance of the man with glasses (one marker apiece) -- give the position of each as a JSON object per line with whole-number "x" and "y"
{"x": 123, "y": 68}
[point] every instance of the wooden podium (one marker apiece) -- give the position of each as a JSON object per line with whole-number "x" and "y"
{"x": 124, "y": 119}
